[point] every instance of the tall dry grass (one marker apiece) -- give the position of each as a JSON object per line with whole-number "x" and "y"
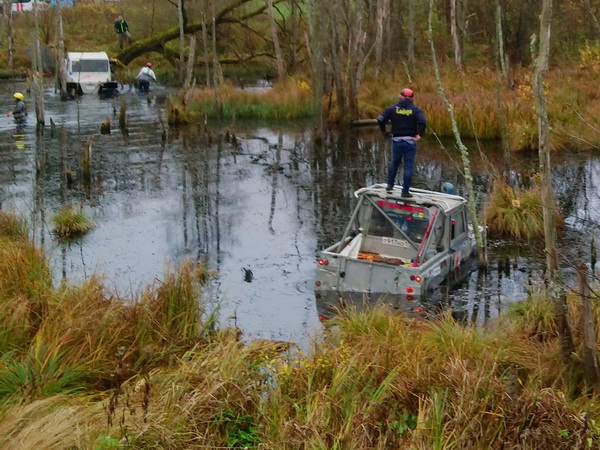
{"x": 288, "y": 100}
{"x": 100, "y": 371}
{"x": 516, "y": 212}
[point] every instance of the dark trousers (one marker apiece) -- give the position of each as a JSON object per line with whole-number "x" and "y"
{"x": 144, "y": 85}
{"x": 124, "y": 37}
{"x": 402, "y": 150}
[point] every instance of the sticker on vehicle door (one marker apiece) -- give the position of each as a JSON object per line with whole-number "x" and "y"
{"x": 395, "y": 242}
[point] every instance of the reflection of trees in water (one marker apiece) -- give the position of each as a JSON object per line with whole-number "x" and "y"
{"x": 201, "y": 171}
{"x": 323, "y": 177}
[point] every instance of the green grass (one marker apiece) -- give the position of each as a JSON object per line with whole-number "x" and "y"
{"x": 70, "y": 223}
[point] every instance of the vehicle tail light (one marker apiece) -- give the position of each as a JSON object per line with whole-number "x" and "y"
{"x": 323, "y": 262}
{"x": 318, "y": 283}
{"x": 410, "y": 290}
{"x": 418, "y": 309}
{"x": 416, "y": 278}
{"x": 409, "y": 297}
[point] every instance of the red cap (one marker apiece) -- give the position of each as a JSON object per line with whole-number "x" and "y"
{"x": 406, "y": 92}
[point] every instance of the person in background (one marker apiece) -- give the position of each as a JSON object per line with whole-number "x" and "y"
{"x": 146, "y": 73}
{"x": 122, "y": 29}
{"x": 19, "y": 112}
{"x": 408, "y": 126}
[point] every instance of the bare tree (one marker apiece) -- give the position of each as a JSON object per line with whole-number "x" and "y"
{"x": 380, "y": 15}
{"x": 464, "y": 153}
{"x": 315, "y": 45}
{"x": 279, "y": 59}
{"x": 205, "y": 42}
{"x": 590, "y": 10}
{"x": 500, "y": 56}
{"x": 10, "y": 47}
{"x": 38, "y": 73}
{"x": 60, "y": 73}
{"x": 553, "y": 275}
{"x": 410, "y": 45}
{"x": 456, "y": 42}
{"x": 181, "y": 18}
{"x": 189, "y": 75}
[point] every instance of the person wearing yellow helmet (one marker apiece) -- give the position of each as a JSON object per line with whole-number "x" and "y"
{"x": 19, "y": 112}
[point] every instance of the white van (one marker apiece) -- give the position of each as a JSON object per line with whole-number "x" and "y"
{"x": 88, "y": 73}
{"x": 28, "y": 5}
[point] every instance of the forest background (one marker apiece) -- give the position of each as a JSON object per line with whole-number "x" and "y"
{"x": 345, "y": 60}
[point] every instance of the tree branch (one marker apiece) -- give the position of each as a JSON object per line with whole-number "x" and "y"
{"x": 156, "y": 43}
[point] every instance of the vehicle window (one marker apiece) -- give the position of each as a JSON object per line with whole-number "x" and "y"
{"x": 412, "y": 220}
{"x": 90, "y": 65}
{"x": 457, "y": 222}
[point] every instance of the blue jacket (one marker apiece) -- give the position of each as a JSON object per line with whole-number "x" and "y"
{"x": 407, "y": 119}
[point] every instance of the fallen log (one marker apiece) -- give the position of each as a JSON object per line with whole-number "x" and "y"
{"x": 364, "y": 123}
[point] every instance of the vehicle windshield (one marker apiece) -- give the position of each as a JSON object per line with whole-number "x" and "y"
{"x": 412, "y": 220}
{"x": 90, "y": 65}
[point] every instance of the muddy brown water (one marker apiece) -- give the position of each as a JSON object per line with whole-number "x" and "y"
{"x": 256, "y": 210}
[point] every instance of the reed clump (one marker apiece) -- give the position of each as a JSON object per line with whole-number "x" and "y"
{"x": 516, "y": 211}
{"x": 71, "y": 223}
{"x": 288, "y": 100}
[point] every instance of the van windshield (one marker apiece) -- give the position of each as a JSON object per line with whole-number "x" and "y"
{"x": 412, "y": 220}
{"x": 90, "y": 65}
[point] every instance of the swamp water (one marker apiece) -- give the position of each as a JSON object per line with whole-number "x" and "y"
{"x": 257, "y": 210}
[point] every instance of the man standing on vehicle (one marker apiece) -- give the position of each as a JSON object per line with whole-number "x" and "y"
{"x": 122, "y": 29}
{"x": 408, "y": 126}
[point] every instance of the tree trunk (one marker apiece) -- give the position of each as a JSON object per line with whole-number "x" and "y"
{"x": 588, "y": 5}
{"x": 500, "y": 43}
{"x": 464, "y": 153}
{"x": 190, "y": 65}
{"x": 62, "y": 84}
{"x": 294, "y": 37}
{"x": 455, "y": 35}
{"x": 38, "y": 74}
{"x": 216, "y": 68}
{"x": 337, "y": 66}
{"x": 280, "y": 70}
{"x": 10, "y": 47}
{"x": 553, "y": 274}
{"x": 181, "y": 40}
{"x": 379, "y": 20}
{"x": 501, "y": 73}
{"x": 205, "y": 43}
{"x": 588, "y": 328}
{"x": 410, "y": 45}
{"x": 315, "y": 43}
{"x": 356, "y": 57}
